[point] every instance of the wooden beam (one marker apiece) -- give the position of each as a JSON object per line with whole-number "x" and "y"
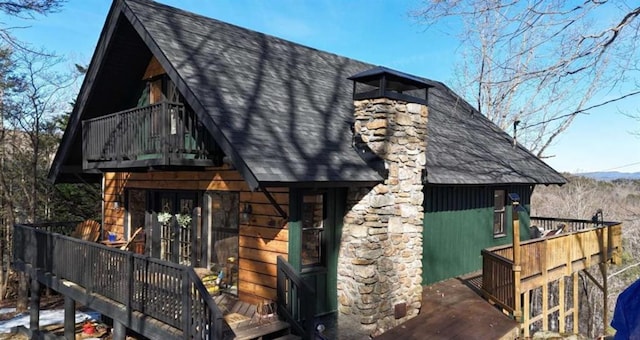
{"x": 592, "y": 278}
{"x": 576, "y": 303}
{"x": 34, "y": 308}
{"x": 69, "y": 318}
{"x": 605, "y": 295}
{"x": 561, "y": 314}
{"x": 273, "y": 202}
{"x": 517, "y": 313}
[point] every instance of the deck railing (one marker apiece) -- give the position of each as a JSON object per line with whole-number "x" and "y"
{"x": 159, "y": 131}
{"x": 165, "y": 291}
{"x": 567, "y": 224}
{"x": 547, "y": 259}
{"x": 296, "y": 300}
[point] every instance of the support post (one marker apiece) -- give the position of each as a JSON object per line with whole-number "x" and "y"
{"x": 562, "y": 307}
{"x": 69, "y": 318}
{"x": 119, "y": 330}
{"x": 605, "y": 293}
{"x": 34, "y": 307}
{"x": 517, "y": 312}
{"x": 576, "y": 303}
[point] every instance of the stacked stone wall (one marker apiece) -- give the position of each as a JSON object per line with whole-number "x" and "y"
{"x": 380, "y": 263}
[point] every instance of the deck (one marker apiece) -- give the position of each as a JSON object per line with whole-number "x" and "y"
{"x": 511, "y": 273}
{"x": 453, "y": 310}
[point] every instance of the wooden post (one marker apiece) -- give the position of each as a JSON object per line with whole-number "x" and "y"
{"x": 562, "y": 308}
{"x": 605, "y": 293}
{"x": 526, "y": 313}
{"x": 34, "y": 307}
{"x": 119, "y": 330}
{"x": 545, "y": 286}
{"x": 517, "y": 312}
{"x": 69, "y": 318}
{"x": 576, "y": 303}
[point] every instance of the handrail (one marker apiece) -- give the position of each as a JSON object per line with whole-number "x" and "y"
{"x": 165, "y": 291}
{"x": 296, "y": 299}
{"x": 572, "y": 224}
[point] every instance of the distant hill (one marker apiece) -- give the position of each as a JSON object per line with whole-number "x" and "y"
{"x": 610, "y": 175}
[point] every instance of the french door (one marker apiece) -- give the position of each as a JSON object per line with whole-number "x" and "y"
{"x": 177, "y": 226}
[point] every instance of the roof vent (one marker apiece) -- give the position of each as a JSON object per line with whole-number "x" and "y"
{"x": 382, "y": 82}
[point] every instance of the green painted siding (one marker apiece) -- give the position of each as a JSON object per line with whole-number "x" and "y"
{"x": 458, "y": 224}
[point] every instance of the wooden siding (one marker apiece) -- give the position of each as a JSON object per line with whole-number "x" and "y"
{"x": 153, "y": 69}
{"x": 458, "y": 224}
{"x": 260, "y": 241}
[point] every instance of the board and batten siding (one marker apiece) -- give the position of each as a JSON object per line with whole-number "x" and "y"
{"x": 261, "y": 240}
{"x": 458, "y": 224}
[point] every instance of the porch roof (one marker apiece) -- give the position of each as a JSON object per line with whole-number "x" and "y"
{"x": 283, "y": 112}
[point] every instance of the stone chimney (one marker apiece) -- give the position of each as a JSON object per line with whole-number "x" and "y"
{"x": 380, "y": 262}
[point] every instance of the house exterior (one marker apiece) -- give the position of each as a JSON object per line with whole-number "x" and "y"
{"x": 230, "y": 148}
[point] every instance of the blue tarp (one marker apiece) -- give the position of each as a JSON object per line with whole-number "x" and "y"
{"x": 626, "y": 317}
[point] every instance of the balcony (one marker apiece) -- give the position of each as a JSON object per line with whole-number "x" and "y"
{"x": 547, "y": 263}
{"x": 158, "y": 135}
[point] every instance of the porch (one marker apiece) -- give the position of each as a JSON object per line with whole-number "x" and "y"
{"x": 550, "y": 262}
{"x": 155, "y": 298}
{"x": 162, "y": 134}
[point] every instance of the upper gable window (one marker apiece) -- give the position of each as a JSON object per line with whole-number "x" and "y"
{"x": 158, "y": 89}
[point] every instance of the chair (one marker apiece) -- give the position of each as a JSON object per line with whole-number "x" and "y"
{"x": 88, "y": 230}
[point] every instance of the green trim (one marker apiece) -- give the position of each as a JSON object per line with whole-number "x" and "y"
{"x": 295, "y": 229}
{"x": 323, "y": 278}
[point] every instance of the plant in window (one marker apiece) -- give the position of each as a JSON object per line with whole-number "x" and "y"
{"x": 183, "y": 219}
{"x": 164, "y": 217}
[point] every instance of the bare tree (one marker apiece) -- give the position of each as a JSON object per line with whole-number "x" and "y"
{"x": 37, "y": 97}
{"x": 541, "y": 63}
{"x": 25, "y": 9}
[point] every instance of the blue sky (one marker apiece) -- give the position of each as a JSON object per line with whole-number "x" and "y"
{"x": 376, "y": 31}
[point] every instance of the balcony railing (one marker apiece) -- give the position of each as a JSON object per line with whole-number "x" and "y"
{"x": 167, "y": 292}
{"x": 580, "y": 245}
{"x": 159, "y": 134}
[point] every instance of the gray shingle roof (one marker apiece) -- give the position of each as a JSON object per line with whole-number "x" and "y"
{"x": 286, "y": 110}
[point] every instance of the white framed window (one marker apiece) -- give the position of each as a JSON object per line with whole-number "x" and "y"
{"x": 499, "y": 213}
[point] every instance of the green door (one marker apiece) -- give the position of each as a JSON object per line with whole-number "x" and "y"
{"x": 314, "y": 237}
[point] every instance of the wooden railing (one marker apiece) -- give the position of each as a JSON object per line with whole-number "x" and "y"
{"x": 160, "y": 131}
{"x": 170, "y": 293}
{"x": 547, "y": 259}
{"x": 497, "y": 279}
{"x": 567, "y": 224}
{"x": 296, "y": 300}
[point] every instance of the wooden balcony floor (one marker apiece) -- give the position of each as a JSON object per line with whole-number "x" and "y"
{"x": 453, "y": 310}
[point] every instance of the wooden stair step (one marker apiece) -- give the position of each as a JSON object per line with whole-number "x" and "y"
{"x": 259, "y": 330}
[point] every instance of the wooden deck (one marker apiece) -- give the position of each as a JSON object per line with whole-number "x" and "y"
{"x": 541, "y": 263}
{"x": 247, "y": 323}
{"x": 453, "y": 310}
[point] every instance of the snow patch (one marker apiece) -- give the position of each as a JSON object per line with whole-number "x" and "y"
{"x": 47, "y": 317}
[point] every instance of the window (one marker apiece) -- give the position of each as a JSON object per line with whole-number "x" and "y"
{"x": 499, "y": 215}
{"x": 312, "y": 230}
